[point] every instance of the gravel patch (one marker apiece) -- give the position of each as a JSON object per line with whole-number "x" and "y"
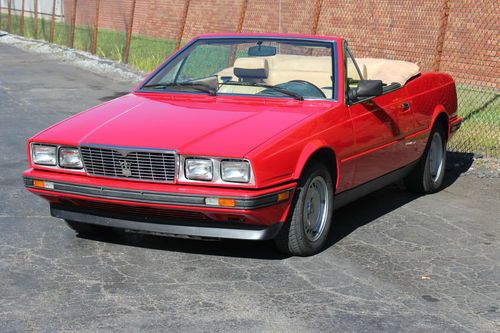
{"x": 473, "y": 165}
{"x": 82, "y": 59}
{"x": 485, "y": 168}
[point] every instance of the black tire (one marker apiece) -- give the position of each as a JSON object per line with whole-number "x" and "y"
{"x": 89, "y": 229}
{"x": 425, "y": 178}
{"x": 293, "y": 238}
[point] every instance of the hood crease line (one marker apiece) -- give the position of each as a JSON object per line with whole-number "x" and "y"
{"x": 110, "y": 120}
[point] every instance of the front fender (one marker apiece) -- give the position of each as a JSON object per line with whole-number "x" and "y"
{"x": 308, "y": 151}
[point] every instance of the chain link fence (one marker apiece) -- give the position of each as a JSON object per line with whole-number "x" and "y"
{"x": 455, "y": 36}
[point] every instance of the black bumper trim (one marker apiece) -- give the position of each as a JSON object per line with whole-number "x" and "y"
{"x": 155, "y": 197}
{"x": 249, "y": 232}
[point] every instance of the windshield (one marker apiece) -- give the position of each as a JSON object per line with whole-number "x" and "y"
{"x": 250, "y": 66}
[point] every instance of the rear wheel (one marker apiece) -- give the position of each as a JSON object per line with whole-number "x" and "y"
{"x": 429, "y": 174}
{"x": 308, "y": 223}
{"x": 89, "y": 229}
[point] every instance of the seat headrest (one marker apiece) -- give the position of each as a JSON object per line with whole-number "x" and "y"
{"x": 251, "y": 68}
{"x": 389, "y": 71}
{"x": 352, "y": 71}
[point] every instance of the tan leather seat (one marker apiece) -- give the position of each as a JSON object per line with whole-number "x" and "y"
{"x": 282, "y": 68}
{"x": 246, "y": 69}
{"x": 352, "y": 73}
{"x": 389, "y": 71}
{"x": 251, "y": 68}
{"x": 316, "y": 70}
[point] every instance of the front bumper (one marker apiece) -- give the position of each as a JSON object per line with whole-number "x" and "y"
{"x": 154, "y": 197}
{"x": 171, "y": 228}
{"x": 175, "y": 210}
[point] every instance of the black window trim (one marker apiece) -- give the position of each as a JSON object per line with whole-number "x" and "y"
{"x": 331, "y": 45}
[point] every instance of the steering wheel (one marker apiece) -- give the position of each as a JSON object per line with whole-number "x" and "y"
{"x": 304, "y": 88}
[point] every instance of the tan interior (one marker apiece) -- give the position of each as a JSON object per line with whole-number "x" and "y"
{"x": 317, "y": 70}
{"x": 352, "y": 73}
{"x": 284, "y": 68}
{"x": 389, "y": 71}
{"x": 252, "y": 63}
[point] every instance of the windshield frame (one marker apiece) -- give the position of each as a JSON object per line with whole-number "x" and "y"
{"x": 331, "y": 44}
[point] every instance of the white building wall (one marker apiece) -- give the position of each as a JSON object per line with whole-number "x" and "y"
{"x": 44, "y": 7}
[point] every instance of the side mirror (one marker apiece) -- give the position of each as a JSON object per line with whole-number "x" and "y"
{"x": 366, "y": 88}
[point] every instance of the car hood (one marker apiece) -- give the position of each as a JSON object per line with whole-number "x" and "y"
{"x": 198, "y": 125}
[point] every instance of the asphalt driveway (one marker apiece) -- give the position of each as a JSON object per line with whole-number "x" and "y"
{"x": 395, "y": 261}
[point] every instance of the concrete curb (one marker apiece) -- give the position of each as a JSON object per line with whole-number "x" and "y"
{"x": 82, "y": 59}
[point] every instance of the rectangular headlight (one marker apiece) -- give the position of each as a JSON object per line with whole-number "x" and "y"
{"x": 235, "y": 171}
{"x": 43, "y": 154}
{"x": 198, "y": 169}
{"x": 70, "y": 158}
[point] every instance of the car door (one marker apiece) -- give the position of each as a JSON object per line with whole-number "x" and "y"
{"x": 380, "y": 125}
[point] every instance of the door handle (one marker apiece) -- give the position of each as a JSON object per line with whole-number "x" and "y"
{"x": 405, "y": 106}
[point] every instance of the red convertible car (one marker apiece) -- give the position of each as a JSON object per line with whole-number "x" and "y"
{"x": 247, "y": 136}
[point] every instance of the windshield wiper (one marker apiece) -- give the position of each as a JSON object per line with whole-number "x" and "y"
{"x": 195, "y": 85}
{"x": 268, "y": 86}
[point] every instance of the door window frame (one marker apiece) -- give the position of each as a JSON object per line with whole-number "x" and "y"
{"x": 386, "y": 89}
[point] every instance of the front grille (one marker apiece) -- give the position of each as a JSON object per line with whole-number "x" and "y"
{"x": 126, "y": 163}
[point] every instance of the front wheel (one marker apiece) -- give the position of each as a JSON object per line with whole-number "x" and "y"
{"x": 429, "y": 173}
{"x": 308, "y": 223}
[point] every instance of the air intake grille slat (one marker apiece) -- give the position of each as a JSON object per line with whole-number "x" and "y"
{"x": 154, "y": 166}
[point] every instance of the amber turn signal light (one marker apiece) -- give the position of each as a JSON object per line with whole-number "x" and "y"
{"x": 38, "y": 183}
{"x": 227, "y": 202}
{"x": 42, "y": 184}
{"x": 283, "y": 196}
{"x": 222, "y": 202}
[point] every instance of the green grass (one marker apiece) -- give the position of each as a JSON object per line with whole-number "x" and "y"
{"x": 206, "y": 60}
{"x": 480, "y": 109}
{"x": 480, "y": 131}
{"x": 145, "y": 53}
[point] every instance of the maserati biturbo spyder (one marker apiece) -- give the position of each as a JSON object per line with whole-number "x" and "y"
{"x": 247, "y": 136}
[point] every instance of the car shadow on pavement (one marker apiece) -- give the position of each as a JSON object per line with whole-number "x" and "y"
{"x": 456, "y": 164}
{"x": 365, "y": 210}
{"x": 346, "y": 220}
{"x": 220, "y": 248}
